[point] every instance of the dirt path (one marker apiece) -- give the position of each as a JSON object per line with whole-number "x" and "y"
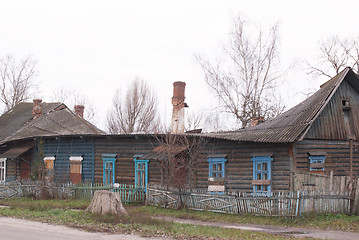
{"x": 19, "y": 229}
{"x": 289, "y": 231}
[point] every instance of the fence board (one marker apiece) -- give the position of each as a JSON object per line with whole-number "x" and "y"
{"x": 279, "y": 204}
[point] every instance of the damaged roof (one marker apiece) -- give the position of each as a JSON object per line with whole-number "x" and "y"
{"x": 56, "y": 120}
{"x": 163, "y": 152}
{"x": 293, "y": 124}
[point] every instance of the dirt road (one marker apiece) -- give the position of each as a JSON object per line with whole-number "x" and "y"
{"x": 289, "y": 231}
{"x": 18, "y": 229}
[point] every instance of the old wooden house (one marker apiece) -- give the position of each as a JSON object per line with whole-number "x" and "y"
{"x": 48, "y": 132}
{"x": 319, "y": 135}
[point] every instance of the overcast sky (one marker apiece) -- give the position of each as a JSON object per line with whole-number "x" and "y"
{"x": 98, "y": 46}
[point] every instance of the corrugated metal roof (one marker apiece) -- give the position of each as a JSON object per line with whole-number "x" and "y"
{"x": 163, "y": 152}
{"x": 290, "y": 125}
{"x": 15, "y": 151}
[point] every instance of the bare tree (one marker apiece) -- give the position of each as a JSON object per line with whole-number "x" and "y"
{"x": 194, "y": 120}
{"x": 334, "y": 55}
{"x": 135, "y": 111}
{"x": 181, "y": 159}
{"x": 71, "y": 97}
{"x": 246, "y": 84}
{"x": 17, "y": 78}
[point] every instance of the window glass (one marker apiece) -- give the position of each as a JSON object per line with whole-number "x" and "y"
{"x": 216, "y": 167}
{"x": 262, "y": 173}
{"x": 317, "y": 163}
{"x": 141, "y": 173}
{"x": 2, "y": 169}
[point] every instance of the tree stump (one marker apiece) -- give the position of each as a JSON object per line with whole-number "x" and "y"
{"x": 106, "y": 202}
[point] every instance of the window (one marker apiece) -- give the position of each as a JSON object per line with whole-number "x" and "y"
{"x": 317, "y": 162}
{"x": 2, "y": 169}
{"x": 76, "y": 169}
{"x": 262, "y": 173}
{"x": 216, "y": 165}
{"x": 141, "y": 171}
{"x": 109, "y": 168}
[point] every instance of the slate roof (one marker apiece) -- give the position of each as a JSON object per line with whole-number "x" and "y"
{"x": 57, "y": 120}
{"x": 293, "y": 124}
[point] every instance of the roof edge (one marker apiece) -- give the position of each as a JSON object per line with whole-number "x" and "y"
{"x": 344, "y": 73}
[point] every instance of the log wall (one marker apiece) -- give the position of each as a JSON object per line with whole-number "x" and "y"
{"x": 337, "y": 158}
{"x": 238, "y": 168}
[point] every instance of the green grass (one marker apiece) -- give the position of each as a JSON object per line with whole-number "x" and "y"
{"x": 139, "y": 222}
{"x": 46, "y": 204}
{"x": 321, "y": 221}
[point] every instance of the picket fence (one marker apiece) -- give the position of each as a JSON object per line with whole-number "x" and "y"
{"x": 278, "y": 204}
{"x": 35, "y": 189}
{"x": 128, "y": 193}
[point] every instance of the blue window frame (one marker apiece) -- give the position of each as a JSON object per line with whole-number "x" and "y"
{"x": 109, "y": 168}
{"x": 217, "y": 165}
{"x": 262, "y": 174}
{"x": 141, "y": 172}
{"x": 317, "y": 163}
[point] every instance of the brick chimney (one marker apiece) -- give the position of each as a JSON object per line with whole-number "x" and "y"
{"x": 36, "y": 108}
{"x": 257, "y": 120}
{"x": 178, "y": 103}
{"x": 79, "y": 110}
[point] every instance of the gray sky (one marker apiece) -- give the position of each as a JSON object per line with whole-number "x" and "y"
{"x": 98, "y": 46}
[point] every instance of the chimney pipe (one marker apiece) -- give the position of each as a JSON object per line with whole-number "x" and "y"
{"x": 36, "y": 108}
{"x": 178, "y": 103}
{"x": 79, "y": 110}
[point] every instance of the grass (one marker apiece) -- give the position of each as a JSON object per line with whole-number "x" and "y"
{"x": 319, "y": 221}
{"x": 140, "y": 220}
{"x": 46, "y": 204}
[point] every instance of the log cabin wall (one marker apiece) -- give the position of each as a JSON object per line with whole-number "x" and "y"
{"x": 63, "y": 149}
{"x": 11, "y": 169}
{"x": 125, "y": 147}
{"x": 332, "y": 131}
{"x": 239, "y": 167}
{"x": 337, "y": 156}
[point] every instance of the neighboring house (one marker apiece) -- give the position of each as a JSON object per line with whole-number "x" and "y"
{"x": 319, "y": 135}
{"x": 52, "y": 132}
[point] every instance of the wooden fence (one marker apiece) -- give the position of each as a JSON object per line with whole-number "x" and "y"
{"x": 35, "y": 189}
{"x": 317, "y": 182}
{"x": 128, "y": 193}
{"x": 278, "y": 204}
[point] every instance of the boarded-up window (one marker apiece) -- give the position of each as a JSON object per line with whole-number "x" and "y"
{"x": 49, "y": 167}
{"x": 49, "y": 162}
{"x": 76, "y": 169}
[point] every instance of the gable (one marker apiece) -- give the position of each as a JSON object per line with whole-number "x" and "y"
{"x": 337, "y": 121}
